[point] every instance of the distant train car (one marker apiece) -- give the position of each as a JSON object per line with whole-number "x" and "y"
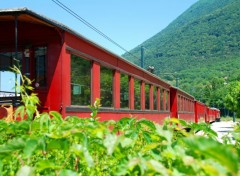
{"x": 210, "y": 115}
{"x": 213, "y": 115}
{"x": 200, "y": 112}
{"x": 181, "y": 105}
{"x": 217, "y": 115}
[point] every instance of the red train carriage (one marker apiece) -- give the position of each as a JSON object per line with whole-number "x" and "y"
{"x": 200, "y": 112}
{"x": 182, "y": 104}
{"x": 70, "y": 71}
{"x": 217, "y": 115}
{"x": 213, "y": 115}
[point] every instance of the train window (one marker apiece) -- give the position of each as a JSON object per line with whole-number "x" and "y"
{"x": 80, "y": 81}
{"x": 179, "y": 103}
{"x": 137, "y": 95}
{"x": 106, "y": 84}
{"x": 7, "y": 60}
{"x": 189, "y": 106}
{"x": 185, "y": 105}
{"x": 124, "y": 91}
{"x": 167, "y": 100}
{"x": 155, "y": 98}
{"x": 40, "y": 66}
{"x": 161, "y": 100}
{"x": 147, "y": 96}
{"x": 182, "y": 103}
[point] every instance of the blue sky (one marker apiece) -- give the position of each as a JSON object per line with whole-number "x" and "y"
{"x": 7, "y": 81}
{"x": 127, "y": 22}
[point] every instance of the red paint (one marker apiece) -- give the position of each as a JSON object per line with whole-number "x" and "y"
{"x": 173, "y": 102}
{"x": 116, "y": 89}
{"x": 131, "y": 92}
{"x": 200, "y": 112}
{"x": 95, "y": 81}
{"x": 179, "y": 105}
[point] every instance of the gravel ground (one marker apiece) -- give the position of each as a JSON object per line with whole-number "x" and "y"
{"x": 223, "y": 128}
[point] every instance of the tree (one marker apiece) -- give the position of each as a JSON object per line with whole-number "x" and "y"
{"x": 232, "y": 99}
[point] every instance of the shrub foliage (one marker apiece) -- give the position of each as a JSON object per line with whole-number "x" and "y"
{"x": 51, "y": 145}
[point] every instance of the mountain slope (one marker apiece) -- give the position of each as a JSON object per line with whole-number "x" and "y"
{"x": 200, "y": 45}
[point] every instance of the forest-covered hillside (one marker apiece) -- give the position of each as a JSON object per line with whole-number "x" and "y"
{"x": 201, "y": 48}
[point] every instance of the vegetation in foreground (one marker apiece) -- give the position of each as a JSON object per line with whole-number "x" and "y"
{"x": 48, "y": 144}
{"x": 51, "y": 145}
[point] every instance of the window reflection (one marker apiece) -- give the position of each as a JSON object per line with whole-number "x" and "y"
{"x": 40, "y": 62}
{"x": 155, "y": 98}
{"x": 124, "y": 91}
{"x": 147, "y": 91}
{"x": 80, "y": 81}
{"x": 137, "y": 95}
{"x": 106, "y": 84}
{"x": 161, "y": 99}
{"x": 167, "y": 100}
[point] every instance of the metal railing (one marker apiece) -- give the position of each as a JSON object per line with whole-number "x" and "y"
{"x": 10, "y": 98}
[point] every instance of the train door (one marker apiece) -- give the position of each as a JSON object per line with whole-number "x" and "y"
{"x": 32, "y": 63}
{"x": 36, "y": 66}
{"x": 8, "y": 78}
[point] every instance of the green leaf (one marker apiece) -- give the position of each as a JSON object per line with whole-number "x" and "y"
{"x": 25, "y": 171}
{"x": 166, "y": 134}
{"x": 30, "y": 110}
{"x": 3, "y": 125}
{"x": 56, "y": 115}
{"x": 1, "y": 167}
{"x": 148, "y": 123}
{"x": 88, "y": 157}
{"x": 150, "y": 147}
{"x": 110, "y": 142}
{"x": 126, "y": 123}
{"x": 44, "y": 119}
{"x": 157, "y": 167}
{"x": 47, "y": 164}
{"x": 30, "y": 147}
{"x": 183, "y": 122}
{"x": 66, "y": 172}
{"x": 214, "y": 150}
{"x": 147, "y": 137}
{"x": 174, "y": 120}
{"x": 79, "y": 150}
{"x": 126, "y": 142}
{"x": 13, "y": 145}
{"x": 19, "y": 111}
{"x": 22, "y": 126}
{"x": 59, "y": 144}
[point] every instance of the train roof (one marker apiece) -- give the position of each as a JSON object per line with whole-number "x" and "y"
{"x": 31, "y": 16}
{"x": 183, "y": 92}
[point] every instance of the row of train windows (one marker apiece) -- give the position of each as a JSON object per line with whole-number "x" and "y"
{"x": 185, "y": 104}
{"x": 81, "y": 87}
